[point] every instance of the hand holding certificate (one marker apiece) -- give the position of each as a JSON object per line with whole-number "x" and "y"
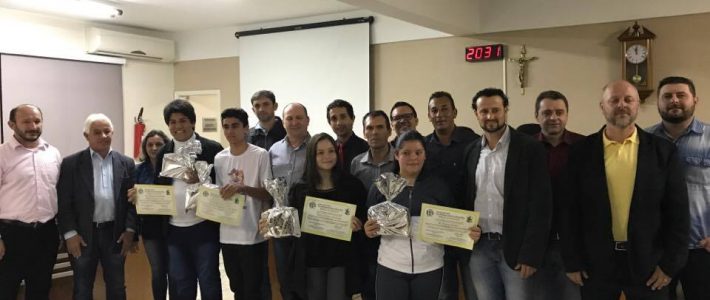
{"x": 448, "y": 226}
{"x": 328, "y": 218}
{"x": 155, "y": 199}
{"x": 211, "y": 206}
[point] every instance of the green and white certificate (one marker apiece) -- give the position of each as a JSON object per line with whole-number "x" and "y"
{"x": 446, "y": 225}
{"x": 154, "y": 199}
{"x": 211, "y": 206}
{"x": 328, "y": 218}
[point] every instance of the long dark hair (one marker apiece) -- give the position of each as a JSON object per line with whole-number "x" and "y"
{"x": 409, "y": 136}
{"x": 311, "y": 176}
{"x": 150, "y": 134}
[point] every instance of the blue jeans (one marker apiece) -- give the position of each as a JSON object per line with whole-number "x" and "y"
{"x": 101, "y": 248}
{"x": 157, "y": 252}
{"x": 492, "y": 278}
{"x": 550, "y": 282}
{"x": 193, "y": 254}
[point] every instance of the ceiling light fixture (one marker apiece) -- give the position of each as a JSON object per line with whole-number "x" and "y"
{"x": 82, "y": 8}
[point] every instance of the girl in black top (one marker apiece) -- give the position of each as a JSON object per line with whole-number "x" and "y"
{"x": 328, "y": 263}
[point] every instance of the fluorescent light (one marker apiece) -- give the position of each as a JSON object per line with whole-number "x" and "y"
{"x": 82, "y": 8}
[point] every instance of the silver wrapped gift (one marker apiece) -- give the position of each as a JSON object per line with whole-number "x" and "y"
{"x": 282, "y": 221}
{"x": 182, "y": 165}
{"x": 392, "y": 217}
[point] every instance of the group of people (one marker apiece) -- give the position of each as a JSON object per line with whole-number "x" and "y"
{"x": 562, "y": 215}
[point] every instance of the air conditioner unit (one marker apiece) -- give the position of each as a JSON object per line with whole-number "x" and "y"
{"x": 114, "y": 43}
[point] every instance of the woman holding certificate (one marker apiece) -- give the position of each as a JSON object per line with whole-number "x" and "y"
{"x": 155, "y": 246}
{"x": 329, "y": 262}
{"x": 409, "y": 268}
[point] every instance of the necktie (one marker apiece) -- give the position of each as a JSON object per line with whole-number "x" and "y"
{"x": 341, "y": 156}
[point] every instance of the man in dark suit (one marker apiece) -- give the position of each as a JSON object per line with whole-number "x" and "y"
{"x": 508, "y": 183}
{"x": 95, "y": 217}
{"x": 626, "y": 227}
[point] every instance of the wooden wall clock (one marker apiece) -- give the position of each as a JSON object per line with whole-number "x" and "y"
{"x": 637, "y": 59}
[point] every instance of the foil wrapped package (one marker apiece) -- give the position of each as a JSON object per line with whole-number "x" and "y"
{"x": 182, "y": 165}
{"x": 282, "y": 221}
{"x": 392, "y": 217}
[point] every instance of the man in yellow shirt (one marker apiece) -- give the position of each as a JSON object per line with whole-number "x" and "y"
{"x": 626, "y": 223}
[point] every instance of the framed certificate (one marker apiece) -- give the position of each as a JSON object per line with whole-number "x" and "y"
{"x": 446, "y": 225}
{"x": 154, "y": 199}
{"x": 328, "y": 218}
{"x": 211, "y": 206}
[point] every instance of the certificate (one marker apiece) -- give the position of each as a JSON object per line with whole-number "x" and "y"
{"x": 448, "y": 226}
{"x": 155, "y": 199}
{"x": 328, "y": 218}
{"x": 211, "y": 206}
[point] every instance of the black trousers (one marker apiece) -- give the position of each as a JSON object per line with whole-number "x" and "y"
{"x": 244, "y": 267}
{"x": 694, "y": 276}
{"x": 30, "y": 254}
{"x": 610, "y": 288}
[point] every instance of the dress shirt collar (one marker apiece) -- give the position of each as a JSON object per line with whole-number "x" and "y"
{"x": 97, "y": 155}
{"x": 566, "y": 138}
{"x": 633, "y": 138}
{"x": 504, "y": 140}
{"x": 41, "y": 144}
{"x": 368, "y": 157}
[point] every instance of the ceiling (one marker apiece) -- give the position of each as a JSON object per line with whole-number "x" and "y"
{"x": 187, "y": 15}
{"x": 456, "y": 17}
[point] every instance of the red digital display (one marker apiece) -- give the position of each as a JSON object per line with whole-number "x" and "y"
{"x": 485, "y": 53}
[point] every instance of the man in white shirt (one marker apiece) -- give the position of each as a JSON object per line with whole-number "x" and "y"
{"x": 241, "y": 169}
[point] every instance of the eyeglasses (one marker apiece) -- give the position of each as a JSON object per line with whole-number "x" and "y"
{"x": 403, "y": 117}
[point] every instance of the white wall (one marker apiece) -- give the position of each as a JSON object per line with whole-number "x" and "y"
{"x": 144, "y": 83}
{"x": 191, "y": 44}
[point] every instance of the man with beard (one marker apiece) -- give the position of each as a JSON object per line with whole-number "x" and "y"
{"x": 270, "y": 128}
{"x": 403, "y": 117}
{"x": 676, "y": 105}
{"x": 626, "y": 224}
{"x": 551, "y": 111}
{"x": 507, "y": 182}
{"x": 29, "y": 170}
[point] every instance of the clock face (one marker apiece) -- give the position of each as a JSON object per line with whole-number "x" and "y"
{"x": 636, "y": 54}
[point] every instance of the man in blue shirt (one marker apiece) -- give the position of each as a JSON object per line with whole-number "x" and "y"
{"x": 676, "y": 105}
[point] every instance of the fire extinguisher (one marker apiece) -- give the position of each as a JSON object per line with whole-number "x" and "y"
{"x": 138, "y": 130}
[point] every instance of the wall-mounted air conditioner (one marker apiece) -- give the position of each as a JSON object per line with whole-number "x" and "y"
{"x": 114, "y": 43}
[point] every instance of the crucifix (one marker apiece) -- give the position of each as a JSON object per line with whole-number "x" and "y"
{"x": 522, "y": 62}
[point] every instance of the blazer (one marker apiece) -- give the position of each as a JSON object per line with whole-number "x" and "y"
{"x": 527, "y": 194}
{"x": 658, "y": 218}
{"x": 155, "y": 226}
{"x": 75, "y": 193}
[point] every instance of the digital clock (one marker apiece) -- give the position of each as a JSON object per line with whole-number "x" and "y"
{"x": 485, "y": 53}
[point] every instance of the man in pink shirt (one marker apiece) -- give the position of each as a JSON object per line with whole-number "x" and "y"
{"x": 29, "y": 170}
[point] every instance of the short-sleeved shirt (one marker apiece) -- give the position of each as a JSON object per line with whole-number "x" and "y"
{"x": 254, "y": 164}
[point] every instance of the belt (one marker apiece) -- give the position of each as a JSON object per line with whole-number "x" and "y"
{"x": 621, "y": 246}
{"x": 102, "y": 225}
{"x": 23, "y": 224}
{"x": 493, "y": 236}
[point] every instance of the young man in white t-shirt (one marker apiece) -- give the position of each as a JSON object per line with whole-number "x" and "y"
{"x": 241, "y": 169}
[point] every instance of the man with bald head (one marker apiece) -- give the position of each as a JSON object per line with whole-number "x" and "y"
{"x": 29, "y": 170}
{"x": 626, "y": 224}
{"x": 288, "y": 160}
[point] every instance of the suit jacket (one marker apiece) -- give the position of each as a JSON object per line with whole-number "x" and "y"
{"x": 153, "y": 226}
{"x": 527, "y": 209}
{"x": 75, "y": 191}
{"x": 658, "y": 218}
